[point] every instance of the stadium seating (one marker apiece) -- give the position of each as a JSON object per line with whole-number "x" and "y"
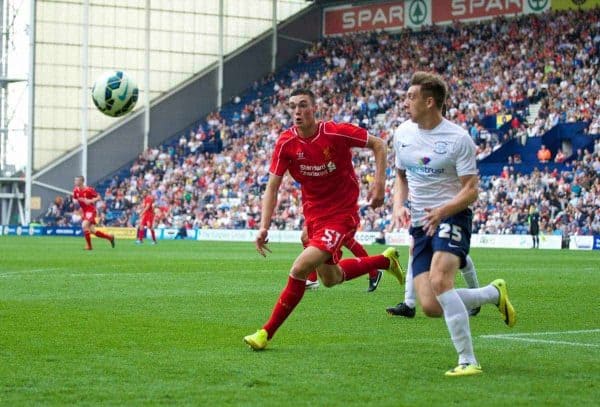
{"x": 212, "y": 174}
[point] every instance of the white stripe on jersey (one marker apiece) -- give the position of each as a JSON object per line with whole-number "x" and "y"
{"x": 433, "y": 160}
{"x": 345, "y": 135}
{"x": 277, "y": 153}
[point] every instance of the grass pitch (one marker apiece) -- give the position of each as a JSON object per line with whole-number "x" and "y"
{"x": 164, "y": 325}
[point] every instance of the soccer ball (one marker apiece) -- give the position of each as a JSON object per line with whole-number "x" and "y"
{"x": 114, "y": 93}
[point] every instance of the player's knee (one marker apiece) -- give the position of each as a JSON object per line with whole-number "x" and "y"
{"x": 333, "y": 276}
{"x": 327, "y": 282}
{"x": 432, "y": 310}
{"x": 300, "y": 271}
{"x": 439, "y": 284}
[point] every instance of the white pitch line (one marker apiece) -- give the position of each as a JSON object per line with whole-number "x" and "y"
{"x": 20, "y": 272}
{"x": 582, "y": 331}
{"x": 115, "y": 274}
{"x": 520, "y": 337}
{"x": 515, "y": 338}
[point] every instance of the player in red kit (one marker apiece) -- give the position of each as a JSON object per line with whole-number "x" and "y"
{"x": 318, "y": 156}
{"x": 146, "y": 219}
{"x": 87, "y": 198}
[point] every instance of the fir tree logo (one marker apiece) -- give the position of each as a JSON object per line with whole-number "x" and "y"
{"x": 537, "y": 5}
{"x": 417, "y": 12}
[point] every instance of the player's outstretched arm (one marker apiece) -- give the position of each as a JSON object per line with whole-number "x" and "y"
{"x": 400, "y": 212}
{"x": 268, "y": 207}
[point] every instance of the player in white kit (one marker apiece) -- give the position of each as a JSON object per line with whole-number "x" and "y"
{"x": 436, "y": 167}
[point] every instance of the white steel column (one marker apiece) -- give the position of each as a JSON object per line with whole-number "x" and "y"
{"x": 30, "y": 113}
{"x": 4, "y": 85}
{"x": 147, "y": 79}
{"x": 274, "y": 34}
{"x": 85, "y": 95}
{"x": 221, "y": 61}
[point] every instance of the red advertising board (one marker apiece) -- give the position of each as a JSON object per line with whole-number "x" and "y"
{"x": 398, "y": 14}
{"x": 474, "y": 9}
{"x": 349, "y": 19}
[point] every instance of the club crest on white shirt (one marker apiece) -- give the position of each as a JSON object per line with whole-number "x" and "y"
{"x": 440, "y": 147}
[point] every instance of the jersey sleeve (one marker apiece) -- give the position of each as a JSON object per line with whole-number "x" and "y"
{"x": 91, "y": 193}
{"x": 279, "y": 159}
{"x": 466, "y": 163}
{"x": 397, "y": 147}
{"x": 353, "y": 136}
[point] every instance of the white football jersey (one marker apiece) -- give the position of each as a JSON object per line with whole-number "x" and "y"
{"x": 433, "y": 161}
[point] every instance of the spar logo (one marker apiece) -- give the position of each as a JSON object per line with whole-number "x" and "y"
{"x": 367, "y": 17}
{"x": 539, "y": 5}
{"x": 417, "y": 12}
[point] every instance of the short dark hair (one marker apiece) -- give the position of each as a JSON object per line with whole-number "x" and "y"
{"x": 304, "y": 91}
{"x": 431, "y": 86}
{"x": 82, "y": 177}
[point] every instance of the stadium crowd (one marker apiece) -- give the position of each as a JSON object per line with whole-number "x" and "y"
{"x": 214, "y": 176}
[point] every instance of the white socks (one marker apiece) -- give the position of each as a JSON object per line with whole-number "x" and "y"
{"x": 469, "y": 274}
{"x": 476, "y": 297}
{"x": 410, "y": 296}
{"x": 457, "y": 320}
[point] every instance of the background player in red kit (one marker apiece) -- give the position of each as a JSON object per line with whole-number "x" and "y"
{"x": 318, "y": 156}
{"x": 146, "y": 218}
{"x": 87, "y": 198}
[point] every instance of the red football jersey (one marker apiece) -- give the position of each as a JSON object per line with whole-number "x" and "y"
{"x": 149, "y": 202}
{"x": 322, "y": 164}
{"x": 87, "y": 193}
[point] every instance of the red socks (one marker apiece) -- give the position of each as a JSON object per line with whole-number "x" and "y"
{"x": 88, "y": 239}
{"x": 353, "y": 268}
{"x": 312, "y": 276}
{"x": 359, "y": 251}
{"x": 102, "y": 235}
{"x": 141, "y": 234}
{"x": 289, "y": 298}
{"x": 294, "y": 290}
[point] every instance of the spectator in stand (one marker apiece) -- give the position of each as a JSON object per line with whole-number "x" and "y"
{"x": 544, "y": 155}
{"x": 560, "y": 157}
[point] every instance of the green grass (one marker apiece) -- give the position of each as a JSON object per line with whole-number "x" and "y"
{"x": 164, "y": 325}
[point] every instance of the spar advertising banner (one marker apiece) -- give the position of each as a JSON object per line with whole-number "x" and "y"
{"x": 395, "y": 15}
{"x": 574, "y": 4}
{"x": 348, "y": 19}
{"x": 446, "y": 11}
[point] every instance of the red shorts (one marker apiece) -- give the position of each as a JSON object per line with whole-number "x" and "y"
{"x": 90, "y": 216}
{"x": 147, "y": 220}
{"x": 330, "y": 234}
